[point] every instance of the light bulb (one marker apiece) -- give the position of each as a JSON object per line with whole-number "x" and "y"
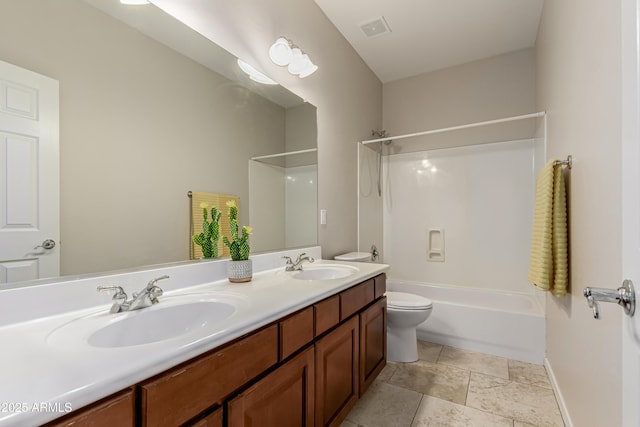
{"x": 299, "y": 61}
{"x": 280, "y": 52}
{"x": 310, "y": 69}
{"x": 254, "y": 74}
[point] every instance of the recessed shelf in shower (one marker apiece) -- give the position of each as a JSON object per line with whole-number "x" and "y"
{"x": 435, "y": 244}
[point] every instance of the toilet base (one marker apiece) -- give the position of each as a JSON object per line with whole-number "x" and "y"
{"x": 402, "y": 345}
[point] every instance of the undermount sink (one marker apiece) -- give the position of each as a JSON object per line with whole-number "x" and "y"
{"x": 325, "y": 272}
{"x": 172, "y": 317}
{"x": 144, "y": 327}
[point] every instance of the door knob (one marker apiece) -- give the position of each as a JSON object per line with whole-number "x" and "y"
{"x": 47, "y": 244}
{"x": 624, "y": 296}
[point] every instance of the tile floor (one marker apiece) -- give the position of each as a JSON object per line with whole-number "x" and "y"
{"x": 449, "y": 387}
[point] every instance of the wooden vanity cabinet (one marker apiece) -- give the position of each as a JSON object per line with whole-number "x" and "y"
{"x": 115, "y": 410}
{"x": 284, "y": 398}
{"x": 174, "y": 397}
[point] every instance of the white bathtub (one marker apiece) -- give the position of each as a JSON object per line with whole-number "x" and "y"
{"x": 504, "y": 324}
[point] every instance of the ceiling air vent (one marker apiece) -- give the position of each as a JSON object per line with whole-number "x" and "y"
{"x": 376, "y": 27}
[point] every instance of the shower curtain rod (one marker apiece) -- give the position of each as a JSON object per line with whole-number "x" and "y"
{"x": 447, "y": 129}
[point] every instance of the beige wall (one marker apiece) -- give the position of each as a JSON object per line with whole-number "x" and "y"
{"x": 487, "y": 89}
{"x": 113, "y": 215}
{"x": 578, "y": 84}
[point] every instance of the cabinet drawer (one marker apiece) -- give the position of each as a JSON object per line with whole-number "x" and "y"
{"x": 352, "y": 300}
{"x": 116, "y": 410}
{"x": 183, "y": 393}
{"x": 327, "y": 314}
{"x": 380, "y": 282}
{"x": 295, "y": 331}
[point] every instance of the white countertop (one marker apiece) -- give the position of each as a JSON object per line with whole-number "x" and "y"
{"x": 42, "y": 378}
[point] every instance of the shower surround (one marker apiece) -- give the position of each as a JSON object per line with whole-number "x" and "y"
{"x": 480, "y": 197}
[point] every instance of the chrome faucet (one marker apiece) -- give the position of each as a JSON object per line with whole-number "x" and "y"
{"x": 291, "y": 266}
{"x": 147, "y": 297}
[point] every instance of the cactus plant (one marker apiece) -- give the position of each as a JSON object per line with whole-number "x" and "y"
{"x": 210, "y": 235}
{"x": 239, "y": 243}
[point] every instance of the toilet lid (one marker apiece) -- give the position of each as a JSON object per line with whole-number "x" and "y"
{"x": 404, "y": 301}
{"x": 354, "y": 257}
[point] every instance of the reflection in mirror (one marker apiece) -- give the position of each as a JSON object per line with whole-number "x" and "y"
{"x": 148, "y": 112}
{"x": 283, "y": 187}
{"x": 290, "y": 192}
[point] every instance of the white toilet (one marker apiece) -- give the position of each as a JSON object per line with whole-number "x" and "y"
{"x": 404, "y": 313}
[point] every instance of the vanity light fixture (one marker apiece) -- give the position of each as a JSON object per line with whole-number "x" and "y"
{"x": 254, "y": 74}
{"x": 285, "y": 54}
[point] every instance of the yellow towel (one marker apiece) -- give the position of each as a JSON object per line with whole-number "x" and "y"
{"x": 220, "y": 202}
{"x": 548, "y": 266}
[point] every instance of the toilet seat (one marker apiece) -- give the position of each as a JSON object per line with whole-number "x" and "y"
{"x": 405, "y": 301}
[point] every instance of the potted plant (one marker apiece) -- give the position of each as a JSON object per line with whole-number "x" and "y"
{"x": 208, "y": 238}
{"x": 239, "y": 268}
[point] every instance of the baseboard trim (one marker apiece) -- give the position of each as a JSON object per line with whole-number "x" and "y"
{"x": 564, "y": 411}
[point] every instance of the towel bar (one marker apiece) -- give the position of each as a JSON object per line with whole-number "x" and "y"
{"x": 568, "y": 162}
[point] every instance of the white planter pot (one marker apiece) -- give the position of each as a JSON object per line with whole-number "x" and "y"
{"x": 239, "y": 271}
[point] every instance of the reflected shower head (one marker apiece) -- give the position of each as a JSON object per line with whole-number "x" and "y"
{"x": 382, "y": 134}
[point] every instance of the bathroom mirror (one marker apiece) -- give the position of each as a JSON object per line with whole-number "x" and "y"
{"x": 149, "y": 110}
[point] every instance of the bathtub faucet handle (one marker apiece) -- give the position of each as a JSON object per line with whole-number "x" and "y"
{"x": 624, "y": 296}
{"x": 593, "y": 304}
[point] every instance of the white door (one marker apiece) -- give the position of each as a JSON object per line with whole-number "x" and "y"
{"x": 29, "y": 175}
{"x": 631, "y": 208}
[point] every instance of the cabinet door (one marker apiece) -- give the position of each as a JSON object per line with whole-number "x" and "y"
{"x": 284, "y": 398}
{"x": 116, "y": 410}
{"x": 337, "y": 373}
{"x": 373, "y": 343}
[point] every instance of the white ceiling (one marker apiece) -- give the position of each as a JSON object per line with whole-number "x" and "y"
{"x": 428, "y": 35}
